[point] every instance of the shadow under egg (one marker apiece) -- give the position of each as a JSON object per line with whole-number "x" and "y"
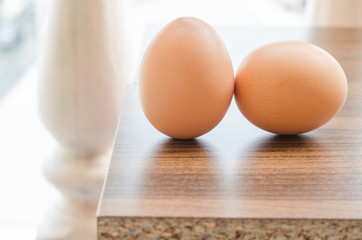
{"x": 287, "y": 168}
{"x": 295, "y": 145}
{"x": 181, "y": 169}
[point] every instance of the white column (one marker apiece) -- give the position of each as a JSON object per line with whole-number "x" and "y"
{"x": 84, "y": 68}
{"x": 334, "y": 13}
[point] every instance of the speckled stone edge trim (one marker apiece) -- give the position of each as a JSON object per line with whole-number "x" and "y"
{"x": 209, "y": 229}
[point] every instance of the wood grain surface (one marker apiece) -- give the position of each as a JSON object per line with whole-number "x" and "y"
{"x": 238, "y": 170}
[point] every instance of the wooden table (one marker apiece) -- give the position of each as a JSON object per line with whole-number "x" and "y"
{"x": 239, "y": 182}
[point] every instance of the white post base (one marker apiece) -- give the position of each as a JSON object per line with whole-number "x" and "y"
{"x": 70, "y": 220}
{"x": 80, "y": 180}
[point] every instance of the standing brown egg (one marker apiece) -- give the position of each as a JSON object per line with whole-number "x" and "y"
{"x": 290, "y": 87}
{"x": 186, "y": 79}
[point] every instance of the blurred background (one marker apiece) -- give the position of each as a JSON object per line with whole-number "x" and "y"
{"x": 24, "y": 141}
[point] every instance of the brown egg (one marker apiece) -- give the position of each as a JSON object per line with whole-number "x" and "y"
{"x": 290, "y": 87}
{"x": 186, "y": 79}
